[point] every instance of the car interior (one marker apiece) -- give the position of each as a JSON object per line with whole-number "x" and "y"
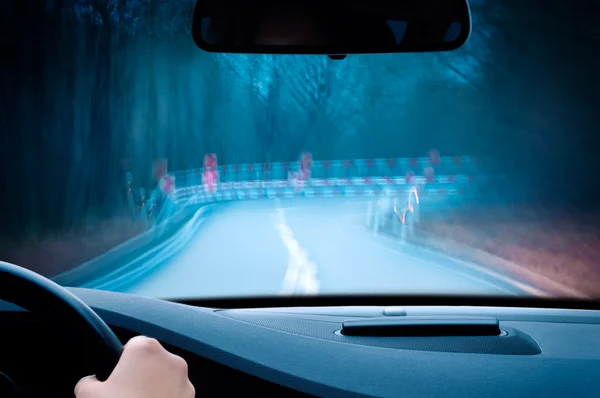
{"x": 327, "y": 346}
{"x": 333, "y": 346}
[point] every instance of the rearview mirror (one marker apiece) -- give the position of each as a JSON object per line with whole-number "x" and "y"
{"x": 322, "y": 27}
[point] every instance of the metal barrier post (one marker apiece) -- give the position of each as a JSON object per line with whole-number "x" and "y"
{"x": 150, "y": 209}
{"x": 382, "y": 207}
{"x": 395, "y": 221}
{"x": 417, "y": 214}
{"x": 403, "y": 233}
{"x": 141, "y": 213}
{"x": 376, "y": 222}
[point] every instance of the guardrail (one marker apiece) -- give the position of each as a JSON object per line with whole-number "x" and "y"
{"x": 357, "y": 177}
{"x": 331, "y": 169}
{"x": 125, "y": 259}
{"x": 441, "y": 189}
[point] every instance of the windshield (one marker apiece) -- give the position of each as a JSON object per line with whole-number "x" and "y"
{"x": 132, "y": 161}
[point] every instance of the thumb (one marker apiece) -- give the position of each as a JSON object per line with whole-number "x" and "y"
{"x": 86, "y": 385}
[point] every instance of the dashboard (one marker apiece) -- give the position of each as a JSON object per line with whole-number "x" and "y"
{"x": 327, "y": 351}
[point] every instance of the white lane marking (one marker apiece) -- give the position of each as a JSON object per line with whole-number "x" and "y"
{"x": 301, "y": 272}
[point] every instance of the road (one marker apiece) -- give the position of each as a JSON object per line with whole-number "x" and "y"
{"x": 269, "y": 247}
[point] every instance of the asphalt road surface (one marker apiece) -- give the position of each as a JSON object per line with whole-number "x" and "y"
{"x": 300, "y": 246}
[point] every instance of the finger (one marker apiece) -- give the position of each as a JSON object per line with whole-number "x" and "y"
{"x": 136, "y": 354}
{"x": 85, "y": 385}
{"x": 144, "y": 343}
{"x": 190, "y": 391}
{"x": 140, "y": 346}
{"x": 178, "y": 364}
{"x": 136, "y": 340}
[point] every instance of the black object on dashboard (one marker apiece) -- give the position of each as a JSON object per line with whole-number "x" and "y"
{"x": 422, "y": 327}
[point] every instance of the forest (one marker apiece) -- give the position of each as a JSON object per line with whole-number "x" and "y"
{"x": 91, "y": 89}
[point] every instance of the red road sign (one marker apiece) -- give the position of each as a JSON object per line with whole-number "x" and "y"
{"x": 434, "y": 157}
{"x": 429, "y": 174}
{"x": 160, "y": 168}
{"x": 209, "y": 174}
{"x": 167, "y": 184}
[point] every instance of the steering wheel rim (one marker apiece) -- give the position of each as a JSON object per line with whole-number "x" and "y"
{"x": 40, "y": 295}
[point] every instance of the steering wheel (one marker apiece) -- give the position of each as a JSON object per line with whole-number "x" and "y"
{"x": 42, "y": 296}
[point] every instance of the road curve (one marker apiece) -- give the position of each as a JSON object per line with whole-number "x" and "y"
{"x": 270, "y": 247}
